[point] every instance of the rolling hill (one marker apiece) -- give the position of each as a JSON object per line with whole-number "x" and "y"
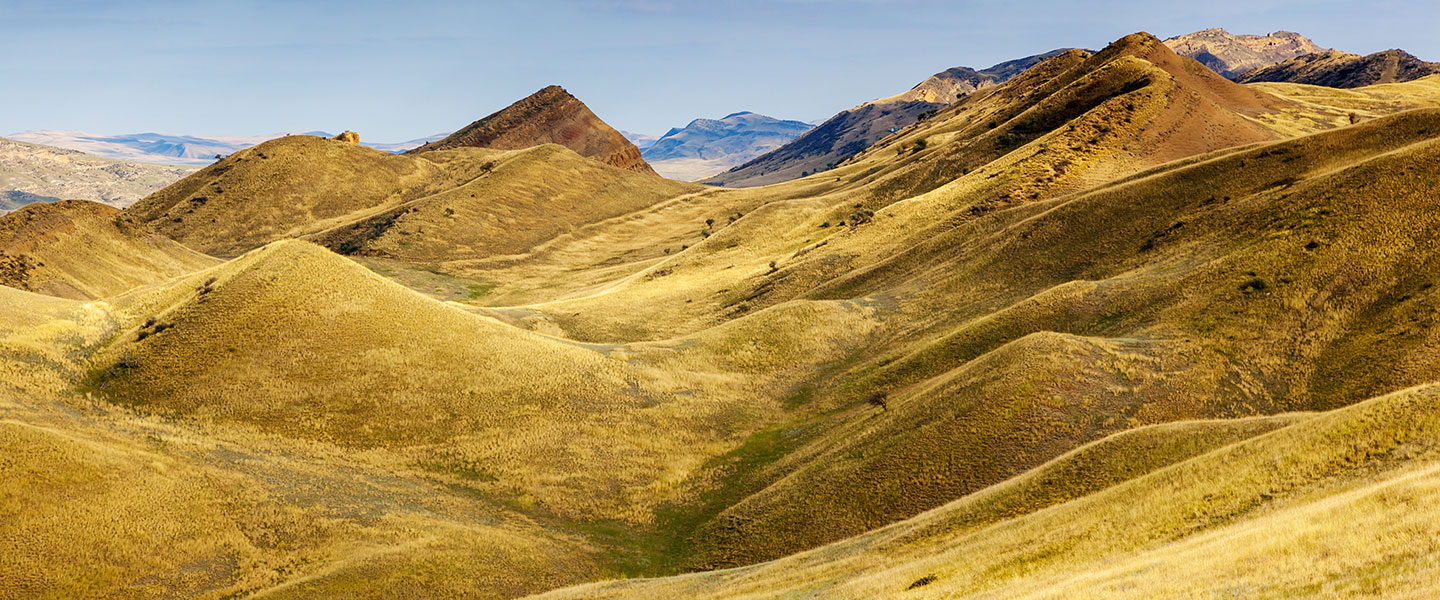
{"x": 549, "y": 116}
{"x": 473, "y": 202}
{"x": 34, "y": 173}
{"x": 1235, "y": 55}
{"x": 708, "y": 146}
{"x": 1345, "y": 70}
{"x": 79, "y": 249}
{"x": 1115, "y": 327}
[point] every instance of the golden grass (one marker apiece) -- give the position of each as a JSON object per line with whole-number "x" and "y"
{"x": 1338, "y": 504}
{"x": 1094, "y": 368}
{"x": 466, "y": 203}
{"x": 76, "y": 249}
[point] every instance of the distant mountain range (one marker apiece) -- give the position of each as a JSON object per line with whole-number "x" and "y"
{"x": 170, "y": 148}
{"x": 32, "y": 173}
{"x": 641, "y": 140}
{"x": 846, "y": 134}
{"x": 709, "y": 146}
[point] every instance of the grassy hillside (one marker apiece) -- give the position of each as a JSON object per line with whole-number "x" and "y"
{"x": 1340, "y": 505}
{"x": 79, "y": 249}
{"x": 1117, "y": 327}
{"x": 475, "y": 202}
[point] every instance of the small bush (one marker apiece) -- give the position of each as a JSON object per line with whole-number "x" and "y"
{"x": 878, "y": 400}
{"x": 1255, "y": 284}
{"x": 923, "y": 581}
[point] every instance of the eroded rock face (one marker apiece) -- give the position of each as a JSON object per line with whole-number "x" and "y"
{"x": 348, "y": 136}
{"x": 549, "y": 116}
{"x": 1234, "y": 55}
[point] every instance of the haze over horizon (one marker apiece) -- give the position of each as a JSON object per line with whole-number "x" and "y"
{"x": 398, "y": 73}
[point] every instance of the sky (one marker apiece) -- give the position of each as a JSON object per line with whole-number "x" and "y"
{"x": 394, "y": 71}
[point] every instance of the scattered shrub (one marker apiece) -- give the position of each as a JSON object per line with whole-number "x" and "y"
{"x": 877, "y": 400}
{"x": 1254, "y": 284}
{"x": 923, "y": 581}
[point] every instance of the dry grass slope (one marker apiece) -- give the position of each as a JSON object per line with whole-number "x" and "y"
{"x": 79, "y": 249}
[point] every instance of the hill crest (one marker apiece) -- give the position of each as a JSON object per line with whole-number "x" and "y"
{"x": 549, "y": 116}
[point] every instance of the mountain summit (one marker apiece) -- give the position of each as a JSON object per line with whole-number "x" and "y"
{"x": 1234, "y": 55}
{"x": 549, "y": 116}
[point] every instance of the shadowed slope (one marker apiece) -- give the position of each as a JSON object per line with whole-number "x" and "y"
{"x": 79, "y": 249}
{"x": 1344, "y": 70}
{"x": 851, "y": 131}
{"x": 549, "y": 116}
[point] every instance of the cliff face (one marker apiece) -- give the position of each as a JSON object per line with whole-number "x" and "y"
{"x": 1234, "y": 55}
{"x": 549, "y": 116}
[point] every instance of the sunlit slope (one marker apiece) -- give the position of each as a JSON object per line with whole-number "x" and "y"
{"x": 1317, "y": 106}
{"x": 1151, "y": 299}
{"x": 522, "y": 199}
{"x": 294, "y": 340}
{"x": 1068, "y": 123}
{"x": 455, "y": 204}
{"x": 284, "y": 188}
{"x": 79, "y": 249}
{"x": 1143, "y": 302}
{"x": 102, "y": 502}
{"x": 1340, "y": 505}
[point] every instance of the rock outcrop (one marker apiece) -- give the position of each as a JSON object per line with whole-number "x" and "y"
{"x": 1234, "y": 55}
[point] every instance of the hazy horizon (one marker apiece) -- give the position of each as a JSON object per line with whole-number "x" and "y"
{"x": 392, "y": 74}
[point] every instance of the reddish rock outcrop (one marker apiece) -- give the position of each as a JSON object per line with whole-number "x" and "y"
{"x": 549, "y": 116}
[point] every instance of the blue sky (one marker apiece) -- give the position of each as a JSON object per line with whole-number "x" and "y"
{"x": 400, "y": 70}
